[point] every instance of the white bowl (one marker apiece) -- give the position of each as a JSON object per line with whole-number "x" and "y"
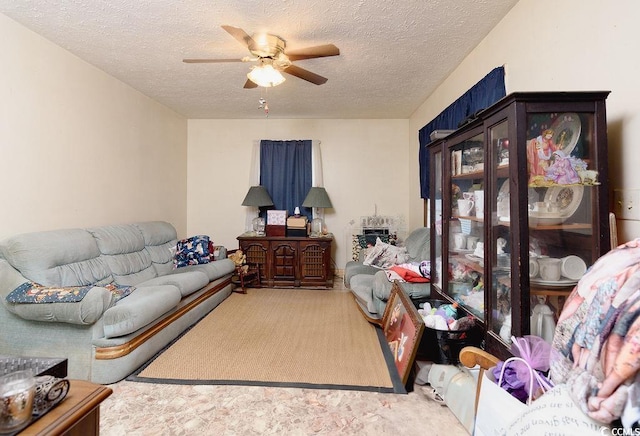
{"x": 545, "y": 218}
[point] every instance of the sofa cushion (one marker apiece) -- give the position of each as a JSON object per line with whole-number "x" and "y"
{"x": 156, "y": 232}
{"x": 160, "y": 240}
{"x": 122, "y": 249}
{"x": 187, "y": 282}
{"x": 143, "y": 306}
{"x": 418, "y": 244}
{"x": 56, "y": 258}
{"x": 213, "y": 270}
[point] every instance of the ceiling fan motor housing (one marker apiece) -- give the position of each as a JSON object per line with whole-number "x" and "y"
{"x": 267, "y": 46}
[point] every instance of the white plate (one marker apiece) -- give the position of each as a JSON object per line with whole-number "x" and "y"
{"x": 566, "y": 198}
{"x": 573, "y": 267}
{"x": 566, "y": 131}
{"x": 563, "y": 283}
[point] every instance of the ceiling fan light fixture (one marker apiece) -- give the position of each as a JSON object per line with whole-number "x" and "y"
{"x": 265, "y": 75}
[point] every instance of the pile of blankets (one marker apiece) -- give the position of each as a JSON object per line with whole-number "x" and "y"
{"x": 596, "y": 345}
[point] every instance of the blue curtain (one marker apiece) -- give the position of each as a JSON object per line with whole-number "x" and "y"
{"x": 482, "y": 95}
{"x": 285, "y": 171}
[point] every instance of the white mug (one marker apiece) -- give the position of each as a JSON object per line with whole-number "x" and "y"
{"x": 533, "y": 268}
{"x": 465, "y": 207}
{"x": 479, "y": 199}
{"x": 550, "y": 268}
{"x": 459, "y": 241}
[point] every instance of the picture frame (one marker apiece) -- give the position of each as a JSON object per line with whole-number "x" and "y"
{"x": 403, "y": 327}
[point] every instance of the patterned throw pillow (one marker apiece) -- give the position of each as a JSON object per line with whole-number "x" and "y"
{"x": 192, "y": 251}
{"x": 370, "y": 239}
{"x": 384, "y": 255}
{"x": 30, "y": 292}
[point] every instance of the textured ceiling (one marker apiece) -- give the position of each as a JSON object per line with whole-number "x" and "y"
{"x": 393, "y": 54}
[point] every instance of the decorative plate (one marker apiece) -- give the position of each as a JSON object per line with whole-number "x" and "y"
{"x": 566, "y": 198}
{"x": 563, "y": 283}
{"x": 566, "y": 131}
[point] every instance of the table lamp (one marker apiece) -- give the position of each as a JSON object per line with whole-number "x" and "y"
{"x": 258, "y": 197}
{"x": 317, "y": 198}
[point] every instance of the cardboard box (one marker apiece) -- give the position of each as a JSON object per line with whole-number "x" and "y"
{"x": 275, "y": 230}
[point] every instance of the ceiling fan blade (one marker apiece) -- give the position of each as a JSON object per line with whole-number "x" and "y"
{"x": 249, "y": 84}
{"x": 307, "y": 75}
{"x": 319, "y": 51}
{"x": 242, "y": 36}
{"x": 210, "y": 61}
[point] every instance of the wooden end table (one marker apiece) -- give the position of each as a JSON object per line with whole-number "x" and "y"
{"x": 78, "y": 414}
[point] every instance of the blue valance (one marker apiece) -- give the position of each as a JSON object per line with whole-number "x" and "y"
{"x": 482, "y": 95}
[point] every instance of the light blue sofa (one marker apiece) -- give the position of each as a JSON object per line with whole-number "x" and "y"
{"x": 370, "y": 286}
{"x": 103, "y": 339}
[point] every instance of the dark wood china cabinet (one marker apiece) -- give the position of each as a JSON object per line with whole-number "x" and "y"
{"x": 519, "y": 208}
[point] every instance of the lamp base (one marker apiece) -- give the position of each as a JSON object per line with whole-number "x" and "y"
{"x": 258, "y": 226}
{"x": 317, "y": 227}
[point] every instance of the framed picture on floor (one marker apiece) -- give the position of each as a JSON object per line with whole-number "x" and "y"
{"x": 403, "y": 327}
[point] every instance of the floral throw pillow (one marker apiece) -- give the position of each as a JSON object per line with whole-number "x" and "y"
{"x": 383, "y": 255}
{"x": 192, "y": 251}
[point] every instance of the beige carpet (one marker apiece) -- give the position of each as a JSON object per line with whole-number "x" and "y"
{"x": 282, "y": 337}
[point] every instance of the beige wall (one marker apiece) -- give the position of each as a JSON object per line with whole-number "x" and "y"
{"x": 364, "y": 165}
{"x": 570, "y": 45}
{"x": 80, "y": 148}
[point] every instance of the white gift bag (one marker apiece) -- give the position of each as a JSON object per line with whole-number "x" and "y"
{"x": 497, "y": 408}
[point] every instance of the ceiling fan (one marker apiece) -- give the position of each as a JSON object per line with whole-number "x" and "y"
{"x": 269, "y": 51}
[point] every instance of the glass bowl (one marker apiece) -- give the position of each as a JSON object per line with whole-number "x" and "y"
{"x": 17, "y": 391}
{"x": 473, "y": 155}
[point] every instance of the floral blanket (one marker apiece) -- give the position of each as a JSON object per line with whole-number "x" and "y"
{"x": 31, "y": 292}
{"x": 596, "y": 346}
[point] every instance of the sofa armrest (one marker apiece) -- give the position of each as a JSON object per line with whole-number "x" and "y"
{"x": 382, "y": 290}
{"x": 354, "y": 268}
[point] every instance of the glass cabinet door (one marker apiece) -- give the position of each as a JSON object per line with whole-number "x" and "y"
{"x": 501, "y": 252}
{"x": 561, "y": 207}
{"x": 466, "y": 224}
{"x": 436, "y": 217}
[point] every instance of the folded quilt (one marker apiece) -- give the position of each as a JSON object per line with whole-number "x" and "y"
{"x": 30, "y": 292}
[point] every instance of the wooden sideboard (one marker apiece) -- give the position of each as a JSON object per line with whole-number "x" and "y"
{"x": 290, "y": 261}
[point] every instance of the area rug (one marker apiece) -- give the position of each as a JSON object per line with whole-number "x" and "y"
{"x": 280, "y": 337}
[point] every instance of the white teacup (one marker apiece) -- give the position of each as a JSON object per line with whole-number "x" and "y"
{"x": 471, "y": 242}
{"x": 550, "y": 268}
{"x": 465, "y": 207}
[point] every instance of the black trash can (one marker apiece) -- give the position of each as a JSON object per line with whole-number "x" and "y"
{"x": 443, "y": 346}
